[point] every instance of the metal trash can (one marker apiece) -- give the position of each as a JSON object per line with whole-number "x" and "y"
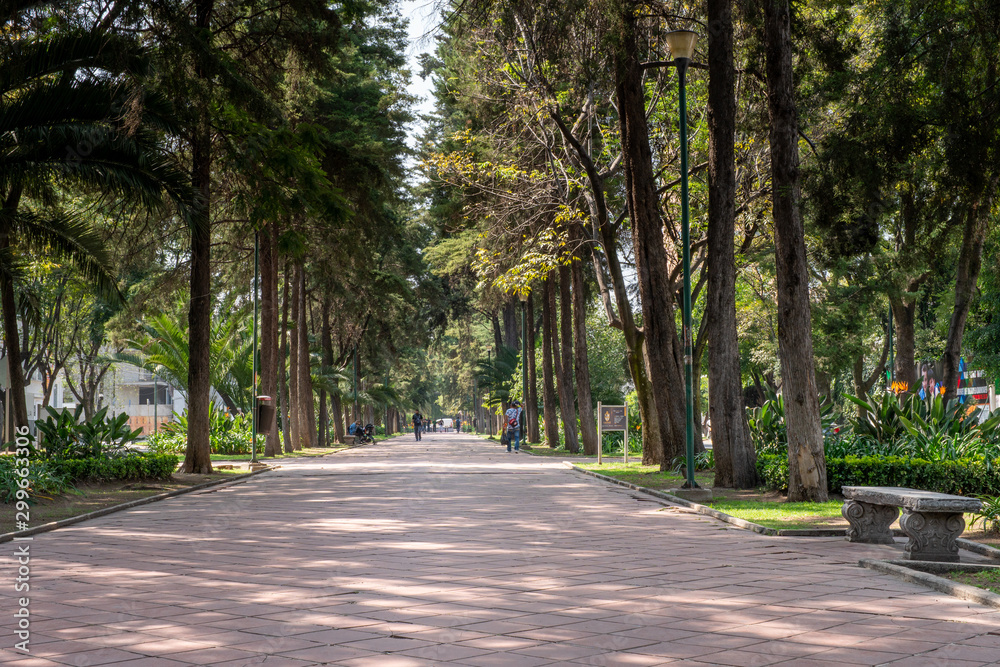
{"x": 265, "y": 414}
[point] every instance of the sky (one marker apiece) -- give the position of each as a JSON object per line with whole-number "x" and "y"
{"x": 423, "y": 17}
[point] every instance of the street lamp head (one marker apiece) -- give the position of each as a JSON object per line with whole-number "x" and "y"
{"x": 523, "y": 296}
{"x": 681, "y": 43}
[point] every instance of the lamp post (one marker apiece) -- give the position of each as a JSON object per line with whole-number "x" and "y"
{"x": 681, "y": 44}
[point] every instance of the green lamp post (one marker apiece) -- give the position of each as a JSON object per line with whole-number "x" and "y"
{"x": 681, "y": 44}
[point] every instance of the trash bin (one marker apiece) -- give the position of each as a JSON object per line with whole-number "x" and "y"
{"x": 265, "y": 414}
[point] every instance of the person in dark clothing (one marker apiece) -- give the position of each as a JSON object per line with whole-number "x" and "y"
{"x": 418, "y": 422}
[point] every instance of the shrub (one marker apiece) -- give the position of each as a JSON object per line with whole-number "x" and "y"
{"x": 227, "y": 434}
{"x": 64, "y": 435}
{"x": 134, "y": 466}
{"x": 43, "y": 479}
{"x": 989, "y": 517}
{"x": 966, "y": 477}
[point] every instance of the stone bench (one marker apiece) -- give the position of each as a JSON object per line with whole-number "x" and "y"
{"x": 350, "y": 439}
{"x": 932, "y": 521}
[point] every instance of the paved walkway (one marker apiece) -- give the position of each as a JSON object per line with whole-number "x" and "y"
{"x": 451, "y": 551}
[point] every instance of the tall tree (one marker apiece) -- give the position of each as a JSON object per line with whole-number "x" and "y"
{"x": 806, "y": 459}
{"x": 549, "y": 405}
{"x": 735, "y": 458}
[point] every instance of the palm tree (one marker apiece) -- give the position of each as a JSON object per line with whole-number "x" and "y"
{"x": 71, "y": 114}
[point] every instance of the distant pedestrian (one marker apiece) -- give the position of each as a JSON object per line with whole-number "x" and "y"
{"x": 418, "y": 421}
{"x": 513, "y": 426}
{"x": 458, "y": 424}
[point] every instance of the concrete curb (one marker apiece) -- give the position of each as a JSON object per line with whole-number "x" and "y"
{"x": 968, "y": 545}
{"x": 62, "y": 523}
{"x": 910, "y": 573}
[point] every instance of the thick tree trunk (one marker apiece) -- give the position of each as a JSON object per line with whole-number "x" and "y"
{"x": 269, "y": 330}
{"x": 198, "y": 458}
{"x": 294, "y": 413}
{"x": 511, "y": 317}
{"x": 585, "y": 406}
{"x": 307, "y": 407}
{"x": 566, "y": 376}
{"x": 326, "y": 341}
{"x": 548, "y": 381}
{"x": 655, "y": 287}
{"x": 283, "y": 357}
{"x": 532, "y": 393}
{"x": 735, "y": 458}
{"x": 806, "y": 459}
{"x": 904, "y": 316}
{"x": 970, "y": 261}
{"x": 15, "y": 364}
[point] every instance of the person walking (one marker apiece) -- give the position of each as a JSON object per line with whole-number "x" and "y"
{"x": 458, "y": 424}
{"x": 513, "y": 426}
{"x": 418, "y": 420}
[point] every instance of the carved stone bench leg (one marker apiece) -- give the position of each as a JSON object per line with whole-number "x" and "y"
{"x": 869, "y": 523}
{"x": 932, "y": 535}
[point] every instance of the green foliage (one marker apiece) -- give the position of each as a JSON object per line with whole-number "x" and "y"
{"x": 44, "y": 479}
{"x": 767, "y": 426}
{"x": 961, "y": 477}
{"x": 227, "y": 435}
{"x": 989, "y": 516}
{"x": 137, "y": 465}
{"x": 64, "y": 436}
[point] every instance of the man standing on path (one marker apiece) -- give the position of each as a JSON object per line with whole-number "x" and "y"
{"x": 513, "y": 416}
{"x": 418, "y": 420}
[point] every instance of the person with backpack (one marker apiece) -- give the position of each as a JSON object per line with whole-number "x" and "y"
{"x": 513, "y": 426}
{"x": 418, "y": 420}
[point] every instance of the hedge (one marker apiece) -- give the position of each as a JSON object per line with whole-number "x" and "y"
{"x": 966, "y": 477}
{"x": 134, "y": 466}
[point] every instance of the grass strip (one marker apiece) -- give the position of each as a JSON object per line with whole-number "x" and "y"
{"x": 988, "y": 580}
{"x": 647, "y": 476}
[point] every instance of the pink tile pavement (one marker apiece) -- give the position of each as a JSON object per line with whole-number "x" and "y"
{"x": 451, "y": 551}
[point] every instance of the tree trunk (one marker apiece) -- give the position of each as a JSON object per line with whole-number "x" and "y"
{"x": 269, "y": 330}
{"x": 806, "y": 459}
{"x": 15, "y": 368}
{"x": 294, "y": 413}
{"x": 510, "y": 320}
{"x": 497, "y": 333}
{"x": 566, "y": 399}
{"x": 283, "y": 356}
{"x": 652, "y": 448}
{"x": 338, "y": 418}
{"x": 323, "y": 420}
{"x": 735, "y": 458}
{"x": 904, "y": 316}
{"x": 326, "y": 340}
{"x": 970, "y": 260}
{"x": 198, "y": 457}
{"x": 655, "y": 287}
{"x": 548, "y": 383}
{"x": 307, "y": 407}
{"x": 532, "y": 393}
{"x": 585, "y": 405}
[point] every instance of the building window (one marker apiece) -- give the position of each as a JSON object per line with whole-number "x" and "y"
{"x": 146, "y": 395}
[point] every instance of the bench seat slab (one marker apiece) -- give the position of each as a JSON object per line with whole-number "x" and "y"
{"x": 869, "y": 523}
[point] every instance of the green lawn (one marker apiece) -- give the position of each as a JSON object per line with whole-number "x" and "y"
{"x": 647, "y": 476}
{"x": 313, "y": 451}
{"x": 990, "y": 580}
{"x": 784, "y": 515}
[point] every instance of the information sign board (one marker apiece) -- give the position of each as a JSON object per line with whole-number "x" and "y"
{"x": 613, "y": 418}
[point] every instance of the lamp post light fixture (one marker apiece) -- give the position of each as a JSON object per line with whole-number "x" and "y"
{"x": 681, "y": 44}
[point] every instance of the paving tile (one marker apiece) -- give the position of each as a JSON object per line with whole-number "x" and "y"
{"x": 426, "y": 554}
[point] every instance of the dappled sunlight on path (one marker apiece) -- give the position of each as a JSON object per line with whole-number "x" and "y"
{"x": 452, "y": 551}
